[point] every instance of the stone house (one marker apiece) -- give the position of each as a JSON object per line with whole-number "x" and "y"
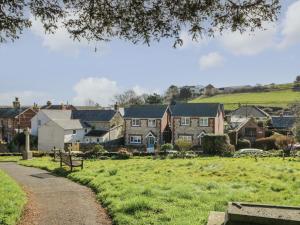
{"x": 192, "y": 121}
{"x": 15, "y": 119}
{"x": 249, "y": 130}
{"x": 147, "y": 126}
{"x": 210, "y": 90}
{"x": 243, "y": 113}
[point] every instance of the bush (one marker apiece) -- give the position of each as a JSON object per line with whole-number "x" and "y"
{"x": 183, "y": 146}
{"x": 123, "y": 154}
{"x": 217, "y": 145}
{"x": 285, "y": 143}
{"x": 166, "y": 147}
{"x": 99, "y": 149}
{"x": 243, "y": 143}
{"x": 268, "y": 143}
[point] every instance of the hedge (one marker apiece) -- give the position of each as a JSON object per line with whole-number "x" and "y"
{"x": 217, "y": 145}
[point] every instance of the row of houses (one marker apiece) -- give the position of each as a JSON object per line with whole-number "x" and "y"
{"x": 145, "y": 126}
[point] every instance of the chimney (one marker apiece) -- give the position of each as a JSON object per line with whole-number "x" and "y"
{"x": 16, "y": 103}
{"x": 116, "y": 107}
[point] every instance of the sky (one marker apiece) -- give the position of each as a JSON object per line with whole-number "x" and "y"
{"x": 40, "y": 67}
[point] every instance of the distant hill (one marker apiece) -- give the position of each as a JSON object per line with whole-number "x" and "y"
{"x": 280, "y": 96}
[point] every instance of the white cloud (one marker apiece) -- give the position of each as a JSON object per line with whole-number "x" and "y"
{"x": 291, "y": 26}
{"x": 140, "y": 90}
{"x": 211, "y": 60}
{"x": 250, "y": 43}
{"x": 60, "y": 41}
{"x": 25, "y": 97}
{"x": 98, "y": 89}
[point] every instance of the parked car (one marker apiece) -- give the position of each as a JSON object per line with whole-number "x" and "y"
{"x": 250, "y": 152}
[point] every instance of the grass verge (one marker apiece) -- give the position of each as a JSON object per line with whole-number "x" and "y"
{"x": 183, "y": 192}
{"x": 12, "y": 200}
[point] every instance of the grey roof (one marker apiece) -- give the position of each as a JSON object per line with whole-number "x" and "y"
{"x": 283, "y": 122}
{"x": 145, "y": 111}
{"x": 69, "y": 124}
{"x": 96, "y": 133}
{"x": 196, "y": 109}
{"x": 93, "y": 115}
{"x": 10, "y": 112}
{"x": 249, "y": 111}
{"x": 57, "y": 114}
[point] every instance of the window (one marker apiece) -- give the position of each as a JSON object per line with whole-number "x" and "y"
{"x": 135, "y": 139}
{"x": 250, "y": 132}
{"x": 136, "y": 122}
{"x": 151, "y": 123}
{"x": 39, "y": 122}
{"x": 185, "y": 121}
{"x": 85, "y": 130}
{"x": 98, "y": 140}
{"x": 74, "y": 131}
{"x": 185, "y": 137}
{"x": 203, "y": 122}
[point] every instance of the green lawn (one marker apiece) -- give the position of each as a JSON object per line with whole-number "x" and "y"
{"x": 146, "y": 191}
{"x": 12, "y": 200}
{"x": 275, "y": 98}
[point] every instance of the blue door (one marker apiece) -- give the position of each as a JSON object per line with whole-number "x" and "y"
{"x": 150, "y": 144}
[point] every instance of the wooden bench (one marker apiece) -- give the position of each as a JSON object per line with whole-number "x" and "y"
{"x": 69, "y": 160}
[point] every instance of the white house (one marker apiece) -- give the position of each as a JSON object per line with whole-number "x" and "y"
{"x": 56, "y": 133}
{"x": 45, "y": 115}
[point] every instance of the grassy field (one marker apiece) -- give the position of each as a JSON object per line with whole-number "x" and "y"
{"x": 183, "y": 192}
{"x": 12, "y": 200}
{"x": 275, "y": 98}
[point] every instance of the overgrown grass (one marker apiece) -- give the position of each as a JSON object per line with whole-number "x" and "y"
{"x": 146, "y": 191}
{"x": 12, "y": 200}
{"x": 274, "y": 98}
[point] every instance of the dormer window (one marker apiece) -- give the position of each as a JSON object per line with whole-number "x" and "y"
{"x": 185, "y": 121}
{"x": 135, "y": 122}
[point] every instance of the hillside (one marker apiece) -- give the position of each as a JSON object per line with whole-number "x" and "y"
{"x": 280, "y": 98}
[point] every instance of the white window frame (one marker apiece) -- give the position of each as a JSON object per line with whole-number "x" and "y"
{"x": 186, "y": 137}
{"x": 202, "y": 120}
{"x": 135, "y": 139}
{"x": 153, "y": 121}
{"x": 135, "y": 122}
{"x": 185, "y": 121}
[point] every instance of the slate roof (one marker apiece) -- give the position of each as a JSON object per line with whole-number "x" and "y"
{"x": 58, "y": 107}
{"x": 96, "y": 133}
{"x": 57, "y": 114}
{"x": 249, "y": 111}
{"x": 93, "y": 115}
{"x": 283, "y": 122}
{"x": 196, "y": 109}
{"x": 10, "y": 112}
{"x": 145, "y": 111}
{"x": 69, "y": 124}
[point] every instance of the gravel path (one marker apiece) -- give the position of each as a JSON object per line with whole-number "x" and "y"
{"x": 56, "y": 200}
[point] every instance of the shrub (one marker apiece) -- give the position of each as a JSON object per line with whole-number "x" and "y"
{"x": 166, "y": 147}
{"x": 268, "y": 143}
{"x": 183, "y": 146}
{"x": 99, "y": 149}
{"x": 243, "y": 143}
{"x": 285, "y": 143}
{"x": 216, "y": 145}
{"x": 123, "y": 154}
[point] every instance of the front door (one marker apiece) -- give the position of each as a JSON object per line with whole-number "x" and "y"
{"x": 150, "y": 144}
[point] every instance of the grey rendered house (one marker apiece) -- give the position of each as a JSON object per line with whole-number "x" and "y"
{"x": 147, "y": 126}
{"x": 192, "y": 121}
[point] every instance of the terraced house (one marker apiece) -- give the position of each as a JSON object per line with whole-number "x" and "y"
{"x": 192, "y": 121}
{"x": 147, "y": 126}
